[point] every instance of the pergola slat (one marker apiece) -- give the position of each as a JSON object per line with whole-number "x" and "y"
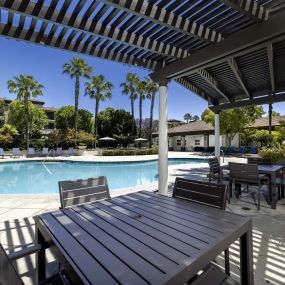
{"x": 99, "y": 29}
{"x": 166, "y": 18}
{"x": 249, "y": 8}
{"x": 271, "y": 67}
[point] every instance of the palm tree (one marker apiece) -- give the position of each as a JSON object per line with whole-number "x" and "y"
{"x": 151, "y": 89}
{"x": 187, "y": 117}
{"x": 129, "y": 88}
{"x": 100, "y": 90}
{"x": 141, "y": 91}
{"x": 77, "y": 68}
{"x": 25, "y": 86}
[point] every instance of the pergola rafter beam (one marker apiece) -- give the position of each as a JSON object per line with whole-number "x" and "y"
{"x": 213, "y": 83}
{"x": 271, "y": 67}
{"x": 166, "y": 18}
{"x": 49, "y": 14}
{"x": 252, "y": 39}
{"x": 185, "y": 83}
{"x": 9, "y": 31}
{"x": 233, "y": 65}
{"x": 249, "y": 8}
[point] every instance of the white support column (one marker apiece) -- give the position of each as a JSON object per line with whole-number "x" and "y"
{"x": 217, "y": 135}
{"x": 163, "y": 140}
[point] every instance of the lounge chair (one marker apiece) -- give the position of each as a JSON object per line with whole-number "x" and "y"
{"x": 70, "y": 151}
{"x": 83, "y": 190}
{"x": 58, "y": 151}
{"x": 9, "y": 274}
{"x": 45, "y": 151}
{"x": 230, "y": 151}
{"x": 2, "y": 153}
{"x": 252, "y": 151}
{"x": 240, "y": 151}
{"x": 31, "y": 152}
{"x": 16, "y": 152}
{"x": 209, "y": 194}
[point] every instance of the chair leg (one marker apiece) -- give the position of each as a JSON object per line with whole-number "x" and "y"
{"x": 227, "y": 261}
{"x": 230, "y": 191}
{"x": 258, "y": 196}
{"x": 279, "y": 192}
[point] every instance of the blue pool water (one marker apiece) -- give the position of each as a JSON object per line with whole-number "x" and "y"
{"x": 34, "y": 177}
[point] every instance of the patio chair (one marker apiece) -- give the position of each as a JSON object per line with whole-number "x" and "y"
{"x": 58, "y": 151}
{"x": 248, "y": 174}
{"x": 70, "y": 151}
{"x": 9, "y": 274}
{"x": 259, "y": 160}
{"x": 2, "y": 153}
{"x": 216, "y": 171}
{"x": 83, "y": 190}
{"x": 209, "y": 194}
{"x": 252, "y": 151}
{"x": 240, "y": 151}
{"x": 16, "y": 152}
{"x": 45, "y": 151}
{"x": 31, "y": 152}
{"x": 230, "y": 151}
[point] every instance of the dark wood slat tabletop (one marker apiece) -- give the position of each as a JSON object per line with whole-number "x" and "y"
{"x": 141, "y": 238}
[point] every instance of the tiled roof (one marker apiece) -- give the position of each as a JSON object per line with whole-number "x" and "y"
{"x": 263, "y": 122}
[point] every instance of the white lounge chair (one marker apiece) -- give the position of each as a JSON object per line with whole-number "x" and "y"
{"x": 45, "y": 151}
{"x": 16, "y": 152}
{"x": 31, "y": 152}
{"x": 70, "y": 151}
{"x": 58, "y": 151}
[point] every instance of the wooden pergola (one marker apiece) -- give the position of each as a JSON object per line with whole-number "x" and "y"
{"x": 229, "y": 52}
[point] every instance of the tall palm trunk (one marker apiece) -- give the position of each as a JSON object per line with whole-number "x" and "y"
{"x": 151, "y": 119}
{"x": 140, "y": 130}
{"x": 26, "y": 105}
{"x": 76, "y": 108}
{"x": 96, "y": 118}
{"x": 133, "y": 116}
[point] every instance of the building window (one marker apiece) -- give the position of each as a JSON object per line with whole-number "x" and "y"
{"x": 178, "y": 142}
{"x": 197, "y": 142}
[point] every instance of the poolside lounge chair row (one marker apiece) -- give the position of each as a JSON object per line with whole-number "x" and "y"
{"x": 240, "y": 152}
{"x": 32, "y": 152}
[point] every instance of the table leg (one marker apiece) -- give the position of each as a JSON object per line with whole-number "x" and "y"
{"x": 40, "y": 258}
{"x": 273, "y": 191}
{"x": 246, "y": 259}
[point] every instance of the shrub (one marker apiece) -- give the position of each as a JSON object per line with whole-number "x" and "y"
{"x": 121, "y": 152}
{"x": 275, "y": 154}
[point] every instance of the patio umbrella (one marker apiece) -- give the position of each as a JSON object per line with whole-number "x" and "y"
{"x": 106, "y": 139}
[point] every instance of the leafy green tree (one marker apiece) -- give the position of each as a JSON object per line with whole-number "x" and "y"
{"x": 100, "y": 90}
{"x": 141, "y": 91}
{"x": 187, "y": 117}
{"x": 233, "y": 121}
{"x": 151, "y": 89}
{"x": 2, "y": 111}
{"x": 64, "y": 119}
{"x": 196, "y": 118}
{"x": 114, "y": 122}
{"x": 17, "y": 118}
{"x": 77, "y": 68}
{"x": 275, "y": 114}
{"x": 129, "y": 88}
{"x": 25, "y": 87}
{"x": 7, "y": 134}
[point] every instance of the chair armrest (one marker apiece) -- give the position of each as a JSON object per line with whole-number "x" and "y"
{"x": 24, "y": 252}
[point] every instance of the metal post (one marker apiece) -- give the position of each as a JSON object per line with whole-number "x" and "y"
{"x": 163, "y": 140}
{"x": 270, "y": 118}
{"x": 217, "y": 135}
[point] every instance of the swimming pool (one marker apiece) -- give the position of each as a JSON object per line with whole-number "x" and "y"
{"x": 36, "y": 177}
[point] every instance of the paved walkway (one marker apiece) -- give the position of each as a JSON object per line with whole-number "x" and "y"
{"x": 17, "y": 224}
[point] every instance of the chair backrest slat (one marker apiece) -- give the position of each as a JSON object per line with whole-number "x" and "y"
{"x": 8, "y": 273}
{"x": 209, "y": 194}
{"x": 244, "y": 172}
{"x": 259, "y": 161}
{"x": 214, "y": 165}
{"x": 83, "y": 190}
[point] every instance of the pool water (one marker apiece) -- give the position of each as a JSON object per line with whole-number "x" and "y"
{"x": 36, "y": 177}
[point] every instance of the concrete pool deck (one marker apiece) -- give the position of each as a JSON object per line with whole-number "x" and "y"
{"x": 17, "y": 224}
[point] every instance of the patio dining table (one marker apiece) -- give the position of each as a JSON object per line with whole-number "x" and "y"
{"x": 141, "y": 238}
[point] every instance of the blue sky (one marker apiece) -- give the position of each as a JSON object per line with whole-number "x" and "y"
{"x": 45, "y": 64}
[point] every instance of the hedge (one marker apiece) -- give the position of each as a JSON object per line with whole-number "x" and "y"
{"x": 121, "y": 152}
